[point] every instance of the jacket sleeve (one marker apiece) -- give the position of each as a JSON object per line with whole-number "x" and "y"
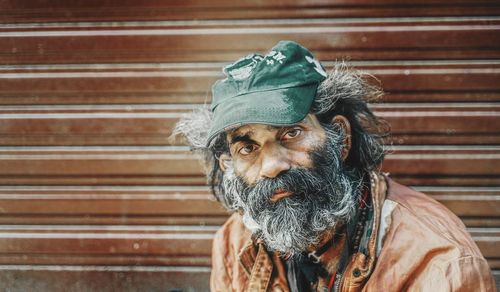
{"x": 219, "y": 278}
{"x": 467, "y": 273}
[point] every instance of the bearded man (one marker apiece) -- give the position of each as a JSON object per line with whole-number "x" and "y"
{"x": 294, "y": 153}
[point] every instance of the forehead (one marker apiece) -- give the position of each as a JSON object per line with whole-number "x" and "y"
{"x": 261, "y": 129}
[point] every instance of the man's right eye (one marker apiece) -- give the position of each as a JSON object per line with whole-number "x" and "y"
{"x": 247, "y": 149}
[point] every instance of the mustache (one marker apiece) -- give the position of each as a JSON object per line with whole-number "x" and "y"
{"x": 300, "y": 182}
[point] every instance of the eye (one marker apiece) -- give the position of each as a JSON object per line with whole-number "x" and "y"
{"x": 292, "y": 133}
{"x": 247, "y": 149}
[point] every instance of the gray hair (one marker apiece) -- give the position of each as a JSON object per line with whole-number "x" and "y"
{"x": 344, "y": 92}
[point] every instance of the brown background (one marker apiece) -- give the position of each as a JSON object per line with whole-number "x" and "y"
{"x": 93, "y": 196}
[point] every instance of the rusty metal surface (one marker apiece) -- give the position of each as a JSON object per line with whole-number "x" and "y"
{"x": 93, "y": 194}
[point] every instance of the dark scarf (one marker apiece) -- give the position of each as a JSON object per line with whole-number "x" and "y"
{"x": 304, "y": 270}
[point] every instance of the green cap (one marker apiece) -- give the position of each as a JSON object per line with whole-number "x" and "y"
{"x": 275, "y": 89}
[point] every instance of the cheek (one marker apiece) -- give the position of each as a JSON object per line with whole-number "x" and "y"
{"x": 301, "y": 159}
{"x": 300, "y": 154}
{"x": 247, "y": 171}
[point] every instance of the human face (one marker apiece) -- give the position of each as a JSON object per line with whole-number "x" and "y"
{"x": 292, "y": 210}
{"x": 260, "y": 151}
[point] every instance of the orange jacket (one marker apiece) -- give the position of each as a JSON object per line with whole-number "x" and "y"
{"x": 417, "y": 245}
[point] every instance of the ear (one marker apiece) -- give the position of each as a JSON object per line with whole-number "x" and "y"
{"x": 225, "y": 161}
{"x": 343, "y": 122}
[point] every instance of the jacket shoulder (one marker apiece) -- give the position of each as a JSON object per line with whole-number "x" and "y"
{"x": 227, "y": 274}
{"x": 425, "y": 242}
{"x": 420, "y": 204}
{"x": 419, "y": 211}
{"x": 232, "y": 235}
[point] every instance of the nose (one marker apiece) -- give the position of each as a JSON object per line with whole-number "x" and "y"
{"x": 274, "y": 162}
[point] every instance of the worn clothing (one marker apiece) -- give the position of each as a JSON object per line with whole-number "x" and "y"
{"x": 416, "y": 245}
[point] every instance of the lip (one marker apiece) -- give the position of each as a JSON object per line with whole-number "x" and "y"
{"x": 280, "y": 194}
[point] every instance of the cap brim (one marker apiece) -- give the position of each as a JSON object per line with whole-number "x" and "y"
{"x": 279, "y": 107}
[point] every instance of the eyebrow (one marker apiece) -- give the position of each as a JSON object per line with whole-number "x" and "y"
{"x": 279, "y": 128}
{"x": 241, "y": 138}
{"x": 247, "y": 136}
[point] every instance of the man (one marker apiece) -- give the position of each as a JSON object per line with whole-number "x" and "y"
{"x": 295, "y": 153}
